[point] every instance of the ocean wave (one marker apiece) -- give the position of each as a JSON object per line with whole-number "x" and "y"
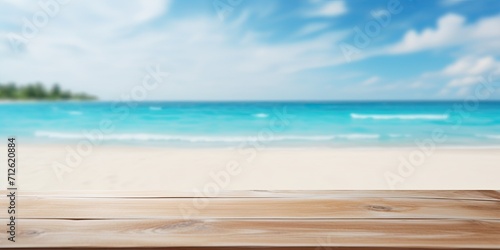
{"x": 187, "y": 138}
{"x": 261, "y": 115}
{"x": 358, "y": 136}
{"x": 155, "y": 108}
{"x": 399, "y": 135}
{"x": 75, "y": 113}
{"x": 400, "y": 117}
{"x": 489, "y": 136}
{"x": 58, "y": 135}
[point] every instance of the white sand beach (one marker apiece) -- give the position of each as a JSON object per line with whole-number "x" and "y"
{"x": 211, "y": 170}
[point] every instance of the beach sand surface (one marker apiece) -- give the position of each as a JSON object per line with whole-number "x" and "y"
{"x": 208, "y": 171}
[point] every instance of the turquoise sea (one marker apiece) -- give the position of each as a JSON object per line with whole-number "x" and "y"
{"x": 267, "y": 124}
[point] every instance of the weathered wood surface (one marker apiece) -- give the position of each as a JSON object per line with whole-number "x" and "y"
{"x": 282, "y": 208}
{"x": 418, "y": 219}
{"x": 260, "y": 232}
{"x": 430, "y": 194}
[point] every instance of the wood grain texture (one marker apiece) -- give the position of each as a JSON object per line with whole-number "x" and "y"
{"x": 244, "y": 248}
{"x": 396, "y": 219}
{"x": 259, "y": 232}
{"x": 282, "y": 208}
{"x": 431, "y": 194}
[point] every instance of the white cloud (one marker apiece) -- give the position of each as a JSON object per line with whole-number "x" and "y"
{"x": 151, "y": 9}
{"x": 370, "y": 81}
{"x": 451, "y": 30}
{"x": 451, "y": 2}
{"x": 378, "y": 12}
{"x": 417, "y": 84}
{"x": 20, "y": 4}
{"x": 447, "y": 31}
{"x": 471, "y": 66}
{"x": 102, "y": 49}
{"x": 477, "y": 46}
{"x": 470, "y": 71}
{"x": 329, "y": 9}
{"x": 311, "y": 28}
{"x": 467, "y": 71}
{"x": 460, "y": 76}
{"x": 465, "y": 81}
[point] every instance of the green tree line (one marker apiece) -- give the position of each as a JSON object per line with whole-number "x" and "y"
{"x": 37, "y": 91}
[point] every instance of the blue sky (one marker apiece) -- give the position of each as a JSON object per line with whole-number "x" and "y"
{"x": 255, "y": 49}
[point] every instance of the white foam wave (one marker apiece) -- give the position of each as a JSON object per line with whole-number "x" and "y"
{"x": 58, "y": 135}
{"x": 400, "y": 117}
{"x": 187, "y": 138}
{"x": 399, "y": 135}
{"x": 490, "y": 136}
{"x": 261, "y": 115}
{"x": 358, "y": 136}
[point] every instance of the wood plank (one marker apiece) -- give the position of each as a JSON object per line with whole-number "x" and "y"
{"x": 246, "y": 248}
{"x": 432, "y": 194}
{"x": 258, "y": 232}
{"x": 31, "y": 207}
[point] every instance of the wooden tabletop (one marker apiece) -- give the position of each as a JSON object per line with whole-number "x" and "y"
{"x": 311, "y": 219}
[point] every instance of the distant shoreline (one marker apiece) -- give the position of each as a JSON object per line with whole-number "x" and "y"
{"x": 42, "y": 101}
{"x": 250, "y": 101}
